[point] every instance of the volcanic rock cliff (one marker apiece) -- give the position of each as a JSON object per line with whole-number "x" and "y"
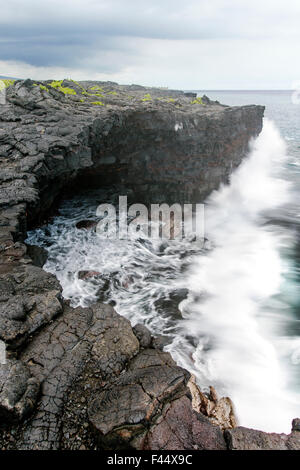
{"x": 83, "y": 378}
{"x": 166, "y": 146}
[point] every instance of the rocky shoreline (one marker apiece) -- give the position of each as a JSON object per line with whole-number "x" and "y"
{"x": 84, "y": 378}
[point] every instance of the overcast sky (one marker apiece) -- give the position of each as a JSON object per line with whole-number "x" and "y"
{"x": 189, "y": 44}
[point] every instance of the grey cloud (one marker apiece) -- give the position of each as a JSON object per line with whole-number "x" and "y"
{"x": 164, "y": 19}
{"x": 65, "y": 50}
{"x": 110, "y": 35}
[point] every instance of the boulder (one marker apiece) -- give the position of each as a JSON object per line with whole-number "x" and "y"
{"x": 220, "y": 411}
{"x": 128, "y": 407}
{"x": 37, "y": 254}
{"x": 36, "y": 300}
{"x": 18, "y": 391}
{"x": 86, "y": 224}
{"x": 83, "y": 275}
{"x": 143, "y": 335}
{"x": 181, "y": 428}
{"x": 160, "y": 341}
{"x": 147, "y": 408}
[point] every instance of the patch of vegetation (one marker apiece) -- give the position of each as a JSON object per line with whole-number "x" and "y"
{"x": 97, "y": 103}
{"x": 112, "y": 93}
{"x": 171, "y": 100}
{"x": 43, "y": 87}
{"x": 57, "y": 84}
{"x": 97, "y": 87}
{"x": 198, "y": 101}
{"x": 147, "y": 97}
{"x": 67, "y": 90}
{"x": 7, "y": 82}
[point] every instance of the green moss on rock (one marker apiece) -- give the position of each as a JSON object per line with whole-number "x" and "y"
{"x": 198, "y": 101}
{"x": 97, "y": 88}
{"x": 147, "y": 97}
{"x": 43, "y": 87}
{"x": 57, "y": 84}
{"x": 7, "y": 82}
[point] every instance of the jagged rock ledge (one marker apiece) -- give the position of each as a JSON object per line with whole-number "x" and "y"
{"x": 83, "y": 378}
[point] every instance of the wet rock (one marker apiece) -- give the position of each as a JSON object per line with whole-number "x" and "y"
{"x": 147, "y": 408}
{"x": 168, "y": 305}
{"x": 83, "y": 275}
{"x": 103, "y": 282}
{"x": 125, "y": 410}
{"x": 143, "y": 335}
{"x": 37, "y": 254}
{"x": 242, "y": 438}
{"x": 86, "y": 224}
{"x": 18, "y": 391}
{"x": 160, "y": 341}
{"x": 181, "y": 428}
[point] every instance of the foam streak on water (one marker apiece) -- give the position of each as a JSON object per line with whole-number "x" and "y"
{"x": 232, "y": 331}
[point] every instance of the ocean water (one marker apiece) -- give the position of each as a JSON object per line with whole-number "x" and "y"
{"x": 230, "y": 311}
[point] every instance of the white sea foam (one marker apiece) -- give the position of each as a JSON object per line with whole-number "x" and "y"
{"x": 241, "y": 349}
